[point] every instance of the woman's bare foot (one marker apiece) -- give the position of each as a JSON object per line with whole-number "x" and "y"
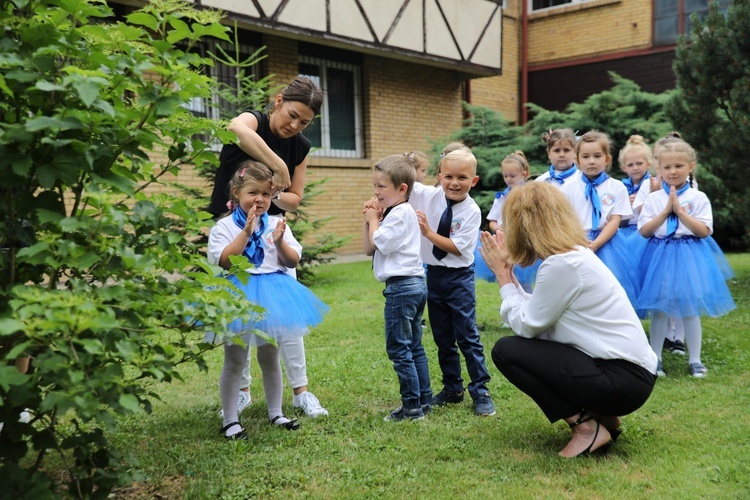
{"x": 611, "y": 422}
{"x": 588, "y": 436}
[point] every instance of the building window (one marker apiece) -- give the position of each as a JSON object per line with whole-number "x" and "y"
{"x": 548, "y": 4}
{"x": 673, "y": 17}
{"x": 337, "y": 131}
{"x": 216, "y": 107}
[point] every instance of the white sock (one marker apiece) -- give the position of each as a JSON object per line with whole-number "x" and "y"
{"x": 679, "y": 329}
{"x": 270, "y": 367}
{"x": 658, "y": 332}
{"x": 693, "y": 338}
{"x": 229, "y": 383}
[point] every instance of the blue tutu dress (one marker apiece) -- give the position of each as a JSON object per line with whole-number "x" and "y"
{"x": 618, "y": 258}
{"x": 481, "y": 270}
{"x": 682, "y": 277}
{"x": 291, "y": 309}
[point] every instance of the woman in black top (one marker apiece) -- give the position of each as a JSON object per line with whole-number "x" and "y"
{"x": 274, "y": 139}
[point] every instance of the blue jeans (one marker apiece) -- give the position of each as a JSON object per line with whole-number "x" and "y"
{"x": 452, "y": 309}
{"x": 405, "y": 297}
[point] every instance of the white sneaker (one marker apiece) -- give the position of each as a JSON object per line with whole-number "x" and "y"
{"x": 243, "y": 401}
{"x": 308, "y": 403}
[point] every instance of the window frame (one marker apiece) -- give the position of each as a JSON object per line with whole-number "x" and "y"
{"x": 682, "y": 21}
{"x": 568, "y": 3}
{"x": 324, "y": 118}
{"x": 210, "y": 107}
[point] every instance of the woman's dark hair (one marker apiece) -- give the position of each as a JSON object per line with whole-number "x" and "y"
{"x": 304, "y": 90}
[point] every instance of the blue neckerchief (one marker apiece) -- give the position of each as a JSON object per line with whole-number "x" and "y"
{"x": 593, "y": 197}
{"x": 560, "y": 178}
{"x": 633, "y": 188}
{"x": 254, "y": 248}
{"x": 503, "y": 193}
{"x": 672, "y": 219}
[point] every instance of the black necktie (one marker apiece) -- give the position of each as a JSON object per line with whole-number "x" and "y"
{"x": 444, "y": 228}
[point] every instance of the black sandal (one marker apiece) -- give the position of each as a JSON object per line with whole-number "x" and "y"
{"x": 238, "y": 436}
{"x": 582, "y": 417}
{"x": 290, "y": 425}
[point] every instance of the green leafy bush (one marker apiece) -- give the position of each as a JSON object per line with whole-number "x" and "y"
{"x": 104, "y": 284}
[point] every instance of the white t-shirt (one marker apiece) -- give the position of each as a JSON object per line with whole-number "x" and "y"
{"x": 496, "y": 212}
{"x": 613, "y": 197}
{"x": 577, "y": 301}
{"x": 398, "y": 245}
{"x": 467, "y": 218}
{"x": 692, "y": 201}
{"x": 225, "y": 231}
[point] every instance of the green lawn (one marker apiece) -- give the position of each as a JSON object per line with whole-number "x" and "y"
{"x": 690, "y": 440}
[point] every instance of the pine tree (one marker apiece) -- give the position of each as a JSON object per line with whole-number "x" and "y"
{"x": 711, "y": 109}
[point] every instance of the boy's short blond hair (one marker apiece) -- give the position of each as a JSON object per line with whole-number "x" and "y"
{"x": 462, "y": 155}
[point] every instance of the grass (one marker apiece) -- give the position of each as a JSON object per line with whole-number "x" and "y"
{"x": 690, "y": 440}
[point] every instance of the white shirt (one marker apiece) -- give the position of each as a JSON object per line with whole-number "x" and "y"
{"x": 467, "y": 218}
{"x": 398, "y": 244}
{"x": 613, "y": 198}
{"x": 496, "y": 212}
{"x": 577, "y": 301}
{"x": 225, "y": 231}
{"x": 695, "y": 203}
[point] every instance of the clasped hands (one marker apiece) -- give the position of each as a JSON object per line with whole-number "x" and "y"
{"x": 495, "y": 256}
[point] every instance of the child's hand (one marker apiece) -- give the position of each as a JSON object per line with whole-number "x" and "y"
{"x": 373, "y": 204}
{"x": 593, "y": 247}
{"x": 278, "y": 232}
{"x": 632, "y": 198}
{"x": 424, "y": 226}
{"x": 674, "y": 201}
{"x": 249, "y": 224}
{"x": 372, "y": 216}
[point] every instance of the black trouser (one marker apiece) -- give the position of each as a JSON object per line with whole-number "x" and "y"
{"x": 563, "y": 380}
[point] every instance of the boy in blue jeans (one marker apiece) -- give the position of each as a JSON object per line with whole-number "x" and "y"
{"x": 448, "y": 251}
{"x": 391, "y": 234}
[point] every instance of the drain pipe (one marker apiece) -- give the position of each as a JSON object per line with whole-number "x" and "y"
{"x": 524, "y": 60}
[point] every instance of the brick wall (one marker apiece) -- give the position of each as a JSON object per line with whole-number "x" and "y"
{"x": 501, "y": 93}
{"x": 589, "y": 29}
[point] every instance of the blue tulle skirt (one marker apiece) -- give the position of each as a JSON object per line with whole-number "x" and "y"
{"x": 291, "y": 309}
{"x": 627, "y": 231}
{"x": 682, "y": 277}
{"x": 617, "y": 256}
{"x": 481, "y": 270}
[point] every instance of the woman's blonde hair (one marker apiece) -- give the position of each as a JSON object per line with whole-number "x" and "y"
{"x": 539, "y": 221}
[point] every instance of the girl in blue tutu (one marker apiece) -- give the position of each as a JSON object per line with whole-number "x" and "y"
{"x": 515, "y": 169}
{"x": 681, "y": 274}
{"x": 601, "y": 202}
{"x": 290, "y": 308}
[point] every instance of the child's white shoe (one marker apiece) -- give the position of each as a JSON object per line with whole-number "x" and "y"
{"x": 243, "y": 401}
{"x": 308, "y": 403}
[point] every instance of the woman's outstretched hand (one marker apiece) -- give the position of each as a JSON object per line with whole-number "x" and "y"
{"x": 494, "y": 255}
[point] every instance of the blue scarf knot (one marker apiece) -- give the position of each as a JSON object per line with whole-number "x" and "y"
{"x": 672, "y": 219}
{"x": 633, "y": 188}
{"x": 560, "y": 178}
{"x": 254, "y": 248}
{"x": 503, "y": 193}
{"x": 593, "y": 197}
